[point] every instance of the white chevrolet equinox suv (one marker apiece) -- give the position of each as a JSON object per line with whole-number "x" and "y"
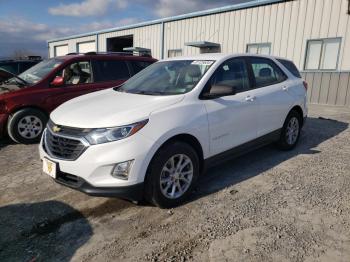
{"x": 153, "y": 136}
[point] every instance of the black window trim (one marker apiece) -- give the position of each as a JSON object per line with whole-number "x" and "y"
{"x": 285, "y": 77}
{"x": 281, "y": 60}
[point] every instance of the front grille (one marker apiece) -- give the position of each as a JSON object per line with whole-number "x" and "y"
{"x": 63, "y": 147}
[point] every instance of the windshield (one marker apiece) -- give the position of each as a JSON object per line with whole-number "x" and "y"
{"x": 39, "y": 71}
{"x": 167, "y": 78}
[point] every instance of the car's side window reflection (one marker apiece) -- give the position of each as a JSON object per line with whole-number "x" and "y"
{"x": 232, "y": 73}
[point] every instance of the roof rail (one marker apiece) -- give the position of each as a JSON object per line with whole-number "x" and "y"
{"x": 116, "y": 53}
{"x": 34, "y": 57}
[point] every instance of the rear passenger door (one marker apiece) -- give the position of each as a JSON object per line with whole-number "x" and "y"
{"x": 271, "y": 86}
{"x": 109, "y": 73}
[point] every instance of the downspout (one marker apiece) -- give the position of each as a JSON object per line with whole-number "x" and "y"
{"x": 96, "y": 43}
{"x": 162, "y": 41}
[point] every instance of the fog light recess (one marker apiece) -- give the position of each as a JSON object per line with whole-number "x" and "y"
{"x": 121, "y": 170}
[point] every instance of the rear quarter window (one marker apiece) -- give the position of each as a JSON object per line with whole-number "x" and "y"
{"x": 10, "y": 67}
{"x": 137, "y": 66}
{"x": 266, "y": 72}
{"x": 110, "y": 70}
{"x": 290, "y": 66}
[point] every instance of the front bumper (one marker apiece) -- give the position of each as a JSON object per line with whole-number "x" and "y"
{"x": 91, "y": 171}
{"x": 133, "y": 192}
{"x": 3, "y": 120}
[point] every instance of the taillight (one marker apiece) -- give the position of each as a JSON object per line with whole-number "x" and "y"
{"x": 305, "y": 85}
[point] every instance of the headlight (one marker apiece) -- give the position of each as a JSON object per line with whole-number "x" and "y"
{"x": 104, "y": 135}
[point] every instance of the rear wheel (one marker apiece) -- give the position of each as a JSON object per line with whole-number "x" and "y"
{"x": 173, "y": 172}
{"x": 291, "y": 131}
{"x": 26, "y": 125}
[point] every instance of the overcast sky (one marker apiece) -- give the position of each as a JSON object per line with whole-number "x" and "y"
{"x": 28, "y": 24}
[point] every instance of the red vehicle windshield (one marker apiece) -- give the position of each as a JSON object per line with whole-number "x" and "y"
{"x": 39, "y": 71}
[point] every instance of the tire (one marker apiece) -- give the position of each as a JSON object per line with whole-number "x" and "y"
{"x": 290, "y": 131}
{"x": 26, "y": 126}
{"x": 157, "y": 192}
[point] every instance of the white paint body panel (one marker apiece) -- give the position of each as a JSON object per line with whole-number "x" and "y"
{"x": 218, "y": 124}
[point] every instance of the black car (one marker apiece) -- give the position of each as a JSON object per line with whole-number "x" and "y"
{"x": 17, "y": 66}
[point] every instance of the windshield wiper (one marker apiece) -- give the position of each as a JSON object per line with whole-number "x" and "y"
{"x": 24, "y": 82}
{"x": 153, "y": 93}
{"x": 20, "y": 83}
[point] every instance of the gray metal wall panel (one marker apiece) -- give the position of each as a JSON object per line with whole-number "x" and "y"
{"x": 342, "y": 88}
{"x": 333, "y": 89}
{"x": 347, "y": 101}
{"x": 309, "y": 78}
{"x": 316, "y": 88}
{"x": 325, "y": 81}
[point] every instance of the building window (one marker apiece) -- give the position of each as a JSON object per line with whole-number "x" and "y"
{"x": 174, "y": 52}
{"x": 322, "y": 54}
{"x": 260, "y": 48}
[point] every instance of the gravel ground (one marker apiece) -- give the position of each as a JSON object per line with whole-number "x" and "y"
{"x": 267, "y": 205}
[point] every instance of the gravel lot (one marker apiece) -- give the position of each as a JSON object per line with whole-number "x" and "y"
{"x": 265, "y": 206}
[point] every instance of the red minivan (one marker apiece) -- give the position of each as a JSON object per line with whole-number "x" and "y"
{"x": 26, "y": 100}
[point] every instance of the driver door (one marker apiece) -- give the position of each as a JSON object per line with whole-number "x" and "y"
{"x": 77, "y": 78}
{"x": 232, "y": 119}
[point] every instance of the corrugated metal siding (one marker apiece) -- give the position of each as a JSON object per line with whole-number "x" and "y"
{"x": 148, "y": 37}
{"x": 328, "y": 88}
{"x": 72, "y": 44}
{"x": 286, "y": 25}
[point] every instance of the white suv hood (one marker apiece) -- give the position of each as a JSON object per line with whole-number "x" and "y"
{"x": 109, "y": 108}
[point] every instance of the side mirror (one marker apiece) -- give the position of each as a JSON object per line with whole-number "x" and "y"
{"x": 217, "y": 91}
{"x": 58, "y": 81}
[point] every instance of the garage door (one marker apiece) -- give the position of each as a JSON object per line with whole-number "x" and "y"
{"x": 86, "y": 47}
{"x": 61, "y": 50}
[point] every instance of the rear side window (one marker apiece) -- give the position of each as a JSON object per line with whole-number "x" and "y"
{"x": 110, "y": 70}
{"x": 10, "y": 67}
{"x": 290, "y": 66}
{"x": 266, "y": 72}
{"x": 25, "y": 65}
{"x": 137, "y": 66}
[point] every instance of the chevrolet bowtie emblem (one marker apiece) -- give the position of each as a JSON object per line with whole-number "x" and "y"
{"x": 56, "y": 129}
{"x": 49, "y": 167}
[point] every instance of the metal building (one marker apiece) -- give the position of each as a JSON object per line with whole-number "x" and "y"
{"x": 315, "y": 34}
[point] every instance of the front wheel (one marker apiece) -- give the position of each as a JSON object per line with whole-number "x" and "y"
{"x": 173, "y": 172}
{"x": 26, "y": 126}
{"x": 291, "y": 131}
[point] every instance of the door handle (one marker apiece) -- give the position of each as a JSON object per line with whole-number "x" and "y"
{"x": 285, "y": 88}
{"x": 250, "y": 98}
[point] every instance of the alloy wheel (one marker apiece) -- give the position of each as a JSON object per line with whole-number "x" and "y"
{"x": 292, "y": 131}
{"x": 176, "y": 176}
